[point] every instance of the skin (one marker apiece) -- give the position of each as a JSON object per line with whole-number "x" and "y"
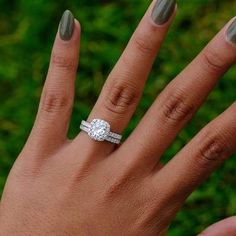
{"x": 83, "y": 187}
{"x": 223, "y": 228}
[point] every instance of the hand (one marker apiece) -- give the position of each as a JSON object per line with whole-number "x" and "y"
{"x": 84, "y": 187}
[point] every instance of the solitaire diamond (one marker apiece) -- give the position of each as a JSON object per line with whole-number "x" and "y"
{"x": 99, "y": 130}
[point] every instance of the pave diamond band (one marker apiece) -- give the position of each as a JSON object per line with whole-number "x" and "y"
{"x": 100, "y": 130}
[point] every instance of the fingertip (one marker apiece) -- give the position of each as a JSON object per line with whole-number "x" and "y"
{"x": 77, "y": 24}
{"x": 230, "y": 32}
{"x": 69, "y": 29}
{"x": 162, "y": 13}
{"x": 77, "y": 31}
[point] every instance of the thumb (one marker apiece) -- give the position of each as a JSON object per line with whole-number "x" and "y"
{"x": 225, "y": 227}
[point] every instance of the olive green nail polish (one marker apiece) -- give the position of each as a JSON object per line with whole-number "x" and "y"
{"x": 67, "y": 24}
{"x": 162, "y": 11}
{"x": 231, "y": 32}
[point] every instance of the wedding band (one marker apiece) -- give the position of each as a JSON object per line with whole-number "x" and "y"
{"x": 100, "y": 130}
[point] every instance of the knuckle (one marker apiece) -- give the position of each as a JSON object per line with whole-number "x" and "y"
{"x": 121, "y": 97}
{"x": 55, "y": 102}
{"x": 143, "y": 45}
{"x": 63, "y": 62}
{"x": 176, "y": 108}
{"x": 214, "y": 149}
{"x": 114, "y": 189}
{"x": 119, "y": 184}
{"x": 212, "y": 61}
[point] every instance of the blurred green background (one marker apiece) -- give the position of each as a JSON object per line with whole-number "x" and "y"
{"x": 27, "y": 30}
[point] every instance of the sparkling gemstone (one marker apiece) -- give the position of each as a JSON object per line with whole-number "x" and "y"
{"x": 99, "y": 130}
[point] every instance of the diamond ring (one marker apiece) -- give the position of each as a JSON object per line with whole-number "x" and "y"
{"x": 100, "y": 130}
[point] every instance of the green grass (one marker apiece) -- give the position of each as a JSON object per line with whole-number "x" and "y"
{"x": 27, "y": 30}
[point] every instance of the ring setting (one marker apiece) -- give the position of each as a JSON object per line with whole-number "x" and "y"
{"x": 100, "y": 130}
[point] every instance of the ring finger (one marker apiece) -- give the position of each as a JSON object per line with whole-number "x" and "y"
{"x": 122, "y": 91}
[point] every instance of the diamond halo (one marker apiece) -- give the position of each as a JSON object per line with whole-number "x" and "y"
{"x": 99, "y": 130}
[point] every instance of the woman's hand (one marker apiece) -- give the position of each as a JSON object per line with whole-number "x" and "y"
{"x": 85, "y": 187}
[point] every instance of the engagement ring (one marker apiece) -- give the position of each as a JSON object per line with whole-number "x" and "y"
{"x": 100, "y": 130}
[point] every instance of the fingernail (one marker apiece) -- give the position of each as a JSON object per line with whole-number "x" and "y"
{"x": 231, "y": 32}
{"x": 162, "y": 11}
{"x": 67, "y": 24}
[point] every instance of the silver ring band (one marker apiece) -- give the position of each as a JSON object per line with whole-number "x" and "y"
{"x": 99, "y": 130}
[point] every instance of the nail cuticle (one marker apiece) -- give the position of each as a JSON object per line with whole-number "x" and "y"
{"x": 162, "y": 11}
{"x": 66, "y": 27}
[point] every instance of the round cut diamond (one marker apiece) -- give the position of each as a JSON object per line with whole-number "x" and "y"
{"x": 99, "y": 130}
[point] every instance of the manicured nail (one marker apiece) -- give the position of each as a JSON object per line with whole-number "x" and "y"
{"x": 162, "y": 11}
{"x": 231, "y": 32}
{"x": 67, "y": 24}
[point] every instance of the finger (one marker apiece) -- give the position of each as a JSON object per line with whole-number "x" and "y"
{"x": 194, "y": 163}
{"x": 50, "y": 128}
{"x": 124, "y": 86}
{"x": 180, "y": 100}
{"x": 226, "y": 227}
